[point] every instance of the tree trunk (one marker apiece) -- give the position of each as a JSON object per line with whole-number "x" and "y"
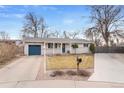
{"x": 106, "y": 38}
{"x": 35, "y": 34}
{"x": 106, "y": 41}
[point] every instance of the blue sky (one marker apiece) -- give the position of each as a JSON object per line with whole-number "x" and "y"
{"x": 58, "y": 17}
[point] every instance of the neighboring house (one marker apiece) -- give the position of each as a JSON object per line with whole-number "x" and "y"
{"x": 19, "y": 42}
{"x": 116, "y": 39}
{"x": 51, "y": 46}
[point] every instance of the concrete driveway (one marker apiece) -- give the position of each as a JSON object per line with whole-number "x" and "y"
{"x": 24, "y": 68}
{"x": 109, "y": 68}
{"x": 26, "y": 72}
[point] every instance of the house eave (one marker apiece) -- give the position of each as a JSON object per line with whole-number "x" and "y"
{"x": 55, "y": 40}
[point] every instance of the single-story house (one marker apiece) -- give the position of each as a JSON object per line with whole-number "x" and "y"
{"x": 51, "y": 46}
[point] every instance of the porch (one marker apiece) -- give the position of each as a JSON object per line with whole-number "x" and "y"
{"x": 57, "y": 48}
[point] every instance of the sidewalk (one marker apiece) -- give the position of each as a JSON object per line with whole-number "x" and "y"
{"x": 59, "y": 84}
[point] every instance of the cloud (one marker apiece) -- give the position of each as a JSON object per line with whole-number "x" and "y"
{"x": 68, "y": 21}
{"x": 18, "y": 15}
{"x": 2, "y": 6}
{"x": 4, "y": 15}
{"x": 11, "y": 15}
{"x": 49, "y": 8}
{"x": 44, "y": 7}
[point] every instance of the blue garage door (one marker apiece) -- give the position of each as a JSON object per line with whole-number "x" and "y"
{"x": 34, "y": 49}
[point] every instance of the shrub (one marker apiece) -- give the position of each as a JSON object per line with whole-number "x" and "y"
{"x": 92, "y": 48}
{"x": 7, "y": 51}
{"x": 83, "y": 73}
{"x": 52, "y": 75}
{"x": 70, "y": 72}
{"x": 75, "y": 46}
{"x": 68, "y": 52}
{"x": 58, "y": 73}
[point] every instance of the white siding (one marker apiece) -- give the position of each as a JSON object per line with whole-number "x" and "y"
{"x": 49, "y": 51}
{"x": 67, "y": 48}
{"x": 26, "y": 49}
{"x": 81, "y": 49}
{"x": 58, "y": 50}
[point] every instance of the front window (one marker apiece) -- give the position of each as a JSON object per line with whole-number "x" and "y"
{"x": 85, "y": 45}
{"x": 50, "y": 45}
{"x": 55, "y": 45}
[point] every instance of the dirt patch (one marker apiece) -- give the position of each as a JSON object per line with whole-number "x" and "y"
{"x": 7, "y": 62}
{"x": 67, "y": 76}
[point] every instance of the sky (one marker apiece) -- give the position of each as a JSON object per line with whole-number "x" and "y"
{"x": 57, "y": 17}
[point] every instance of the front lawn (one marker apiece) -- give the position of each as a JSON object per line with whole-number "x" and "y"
{"x": 69, "y": 61}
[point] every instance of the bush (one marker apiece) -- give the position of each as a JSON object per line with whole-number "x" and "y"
{"x": 92, "y": 48}
{"x": 57, "y": 73}
{"x": 7, "y": 51}
{"x": 70, "y": 72}
{"x": 75, "y": 46}
{"x": 83, "y": 73}
{"x": 68, "y": 52}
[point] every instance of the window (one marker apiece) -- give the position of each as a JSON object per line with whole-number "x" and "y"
{"x": 55, "y": 45}
{"x": 50, "y": 45}
{"x": 59, "y": 45}
{"x": 85, "y": 45}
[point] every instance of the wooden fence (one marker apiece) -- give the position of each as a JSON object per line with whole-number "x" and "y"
{"x": 109, "y": 49}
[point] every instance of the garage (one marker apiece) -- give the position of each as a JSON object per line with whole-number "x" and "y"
{"x": 34, "y": 49}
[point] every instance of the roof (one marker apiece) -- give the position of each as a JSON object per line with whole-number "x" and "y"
{"x": 56, "y": 40}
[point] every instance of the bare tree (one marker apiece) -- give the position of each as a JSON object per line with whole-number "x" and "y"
{"x": 105, "y": 18}
{"x": 93, "y": 35}
{"x": 71, "y": 35}
{"x": 43, "y": 27}
{"x": 74, "y": 34}
{"x": 116, "y": 35}
{"x": 65, "y": 34}
{"x": 57, "y": 34}
{"x": 51, "y": 34}
{"x": 33, "y": 26}
{"x": 89, "y": 33}
{"x": 46, "y": 34}
{"x": 4, "y": 35}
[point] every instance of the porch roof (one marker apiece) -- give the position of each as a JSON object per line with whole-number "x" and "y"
{"x": 56, "y": 40}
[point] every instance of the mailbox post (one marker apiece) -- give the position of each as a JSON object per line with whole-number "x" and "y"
{"x": 79, "y": 60}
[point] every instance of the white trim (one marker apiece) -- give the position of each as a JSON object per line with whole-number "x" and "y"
{"x": 53, "y": 48}
{"x": 61, "y": 48}
{"x": 70, "y": 48}
{"x": 44, "y": 57}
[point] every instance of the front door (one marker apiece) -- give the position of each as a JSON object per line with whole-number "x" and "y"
{"x": 63, "y": 48}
